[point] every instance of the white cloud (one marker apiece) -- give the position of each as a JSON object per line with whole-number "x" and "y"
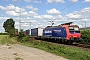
{"x": 11, "y": 7}
{"x": 55, "y": 1}
{"x": 25, "y": 25}
{"x": 2, "y": 8}
{"x": 16, "y": 25}
{"x": 27, "y": 0}
{"x": 43, "y": 17}
{"x": 12, "y": 13}
{"x": 74, "y": 0}
{"x": 32, "y": 8}
{"x": 49, "y": 1}
{"x": 1, "y": 27}
{"x": 80, "y": 17}
{"x": 47, "y": 16}
{"x": 73, "y": 16}
{"x": 27, "y": 19}
{"x": 13, "y": 10}
{"x": 53, "y": 11}
{"x": 35, "y": 1}
{"x": 86, "y": 10}
{"x": 39, "y": 17}
{"x": 87, "y": 0}
{"x": 58, "y": 17}
{"x": 24, "y": 13}
{"x": 85, "y": 19}
{"x": 31, "y": 13}
{"x": 4, "y": 18}
{"x": 14, "y": 0}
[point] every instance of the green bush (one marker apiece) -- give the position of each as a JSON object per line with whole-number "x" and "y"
{"x": 25, "y": 38}
{"x": 20, "y": 35}
{"x": 85, "y": 36}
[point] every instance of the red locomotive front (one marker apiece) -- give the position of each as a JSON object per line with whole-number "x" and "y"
{"x": 73, "y": 33}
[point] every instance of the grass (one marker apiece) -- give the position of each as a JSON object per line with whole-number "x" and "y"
{"x": 2, "y": 36}
{"x": 60, "y": 50}
{"x": 5, "y": 39}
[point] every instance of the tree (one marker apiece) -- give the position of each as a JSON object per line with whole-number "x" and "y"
{"x": 9, "y": 26}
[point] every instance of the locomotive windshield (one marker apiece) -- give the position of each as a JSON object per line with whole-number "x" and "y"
{"x": 73, "y": 29}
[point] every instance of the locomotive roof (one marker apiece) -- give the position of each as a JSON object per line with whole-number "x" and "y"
{"x": 61, "y": 26}
{"x": 67, "y": 23}
{"x": 53, "y": 26}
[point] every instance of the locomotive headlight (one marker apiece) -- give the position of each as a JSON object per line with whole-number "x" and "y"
{"x": 74, "y": 36}
{"x": 67, "y": 38}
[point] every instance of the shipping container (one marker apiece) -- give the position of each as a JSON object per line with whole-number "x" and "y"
{"x": 28, "y": 32}
{"x": 37, "y": 32}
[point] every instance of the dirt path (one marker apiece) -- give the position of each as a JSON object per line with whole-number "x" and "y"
{"x": 19, "y": 52}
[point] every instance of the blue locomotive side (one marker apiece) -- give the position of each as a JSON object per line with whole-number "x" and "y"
{"x": 55, "y": 32}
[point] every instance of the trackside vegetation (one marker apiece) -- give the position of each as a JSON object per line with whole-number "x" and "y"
{"x": 61, "y": 50}
{"x": 22, "y": 37}
{"x": 85, "y": 36}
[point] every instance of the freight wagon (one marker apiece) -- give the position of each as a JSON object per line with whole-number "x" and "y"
{"x": 28, "y": 32}
{"x": 37, "y": 32}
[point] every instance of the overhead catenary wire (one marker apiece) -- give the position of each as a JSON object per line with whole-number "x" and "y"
{"x": 52, "y": 22}
{"x": 67, "y": 6}
{"x": 71, "y": 5}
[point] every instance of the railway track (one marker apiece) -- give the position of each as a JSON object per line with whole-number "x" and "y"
{"x": 84, "y": 45}
{"x": 77, "y": 45}
{"x": 81, "y": 46}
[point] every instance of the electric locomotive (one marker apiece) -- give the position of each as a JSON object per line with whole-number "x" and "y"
{"x": 66, "y": 33}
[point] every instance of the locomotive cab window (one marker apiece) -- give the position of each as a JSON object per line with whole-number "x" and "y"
{"x": 71, "y": 29}
{"x": 74, "y": 29}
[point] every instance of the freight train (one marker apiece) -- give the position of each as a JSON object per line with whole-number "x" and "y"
{"x": 66, "y": 33}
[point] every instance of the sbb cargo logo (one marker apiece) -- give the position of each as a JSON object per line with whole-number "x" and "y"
{"x": 48, "y": 31}
{"x": 57, "y": 30}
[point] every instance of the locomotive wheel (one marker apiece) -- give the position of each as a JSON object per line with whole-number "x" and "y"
{"x": 63, "y": 41}
{"x": 69, "y": 42}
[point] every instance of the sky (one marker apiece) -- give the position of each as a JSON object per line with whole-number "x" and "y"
{"x": 39, "y": 13}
